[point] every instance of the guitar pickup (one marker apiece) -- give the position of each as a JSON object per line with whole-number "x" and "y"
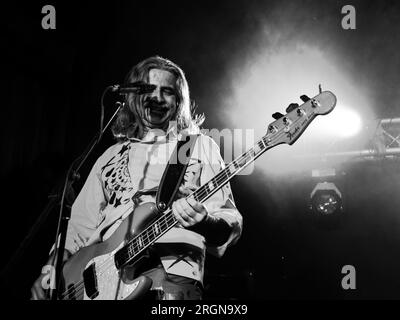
{"x": 90, "y": 281}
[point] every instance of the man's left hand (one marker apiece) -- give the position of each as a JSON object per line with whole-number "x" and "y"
{"x": 187, "y": 210}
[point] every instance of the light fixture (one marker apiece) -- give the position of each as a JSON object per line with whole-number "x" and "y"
{"x": 326, "y": 199}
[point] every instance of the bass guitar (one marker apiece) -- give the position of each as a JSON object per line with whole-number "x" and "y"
{"x": 100, "y": 271}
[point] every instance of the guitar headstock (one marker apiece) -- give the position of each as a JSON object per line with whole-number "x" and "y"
{"x": 290, "y": 127}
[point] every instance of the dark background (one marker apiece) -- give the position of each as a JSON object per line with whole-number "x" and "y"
{"x": 53, "y": 80}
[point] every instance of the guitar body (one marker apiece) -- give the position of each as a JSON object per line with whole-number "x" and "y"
{"x": 91, "y": 273}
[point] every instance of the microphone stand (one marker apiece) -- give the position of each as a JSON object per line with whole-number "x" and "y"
{"x": 65, "y": 215}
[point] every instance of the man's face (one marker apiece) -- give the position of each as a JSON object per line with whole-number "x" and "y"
{"x": 159, "y": 106}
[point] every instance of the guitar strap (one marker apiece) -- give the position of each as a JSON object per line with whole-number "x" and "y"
{"x": 175, "y": 171}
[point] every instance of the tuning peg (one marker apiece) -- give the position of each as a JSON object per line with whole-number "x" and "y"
{"x": 291, "y": 107}
{"x": 305, "y": 98}
{"x": 277, "y": 115}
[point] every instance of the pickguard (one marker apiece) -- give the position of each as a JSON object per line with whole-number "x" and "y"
{"x": 109, "y": 284}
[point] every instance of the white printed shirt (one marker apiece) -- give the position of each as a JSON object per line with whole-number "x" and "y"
{"x": 126, "y": 168}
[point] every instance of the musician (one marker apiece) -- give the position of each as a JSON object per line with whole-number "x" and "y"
{"x": 129, "y": 173}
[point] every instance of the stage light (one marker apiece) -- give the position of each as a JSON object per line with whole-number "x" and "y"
{"x": 326, "y": 199}
{"x": 343, "y": 123}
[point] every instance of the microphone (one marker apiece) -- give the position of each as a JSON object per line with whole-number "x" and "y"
{"x": 138, "y": 87}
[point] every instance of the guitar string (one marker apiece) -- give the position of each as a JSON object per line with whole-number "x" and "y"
{"x": 199, "y": 193}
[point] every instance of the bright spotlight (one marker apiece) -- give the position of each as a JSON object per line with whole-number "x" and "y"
{"x": 326, "y": 199}
{"x": 344, "y": 123}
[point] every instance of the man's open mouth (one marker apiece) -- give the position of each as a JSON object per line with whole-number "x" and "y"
{"x": 158, "y": 111}
{"x": 155, "y": 114}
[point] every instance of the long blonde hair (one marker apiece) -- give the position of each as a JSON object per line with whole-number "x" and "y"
{"x": 126, "y": 124}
